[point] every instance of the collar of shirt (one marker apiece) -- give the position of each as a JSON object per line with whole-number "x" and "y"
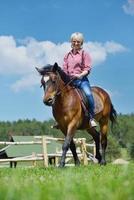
{"x": 77, "y": 52}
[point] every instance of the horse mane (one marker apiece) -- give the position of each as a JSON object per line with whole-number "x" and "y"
{"x": 63, "y": 75}
{"x": 55, "y": 68}
{"x": 46, "y": 68}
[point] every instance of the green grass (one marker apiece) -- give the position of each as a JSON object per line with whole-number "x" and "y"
{"x": 111, "y": 182}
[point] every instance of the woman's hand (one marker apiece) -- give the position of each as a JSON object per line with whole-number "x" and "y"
{"x": 79, "y": 76}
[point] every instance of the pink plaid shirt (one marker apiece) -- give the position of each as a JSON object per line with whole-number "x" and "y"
{"x": 76, "y": 63}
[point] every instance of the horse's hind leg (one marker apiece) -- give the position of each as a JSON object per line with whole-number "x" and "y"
{"x": 96, "y": 136}
{"x": 73, "y": 149}
{"x": 103, "y": 129}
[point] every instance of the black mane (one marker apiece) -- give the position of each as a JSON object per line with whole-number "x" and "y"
{"x": 47, "y": 68}
{"x": 63, "y": 75}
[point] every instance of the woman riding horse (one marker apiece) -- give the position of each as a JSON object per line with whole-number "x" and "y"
{"x": 77, "y": 63}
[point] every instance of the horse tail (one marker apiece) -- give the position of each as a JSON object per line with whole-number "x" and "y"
{"x": 113, "y": 115}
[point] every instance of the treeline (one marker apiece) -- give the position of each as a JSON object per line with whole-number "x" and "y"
{"x": 123, "y": 133}
{"x": 27, "y": 127}
{"x": 121, "y": 136}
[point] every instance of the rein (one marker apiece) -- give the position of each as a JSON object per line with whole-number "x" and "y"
{"x": 59, "y": 92}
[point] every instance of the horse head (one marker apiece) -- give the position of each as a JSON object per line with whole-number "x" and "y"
{"x": 49, "y": 81}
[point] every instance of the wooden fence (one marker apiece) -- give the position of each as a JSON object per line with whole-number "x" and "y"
{"x": 45, "y": 156}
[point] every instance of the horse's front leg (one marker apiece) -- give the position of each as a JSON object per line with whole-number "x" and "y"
{"x": 65, "y": 148}
{"x": 66, "y": 145}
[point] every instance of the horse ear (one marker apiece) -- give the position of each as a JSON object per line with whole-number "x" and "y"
{"x": 55, "y": 67}
{"x": 39, "y": 70}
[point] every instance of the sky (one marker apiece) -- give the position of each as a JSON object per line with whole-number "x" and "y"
{"x": 34, "y": 33}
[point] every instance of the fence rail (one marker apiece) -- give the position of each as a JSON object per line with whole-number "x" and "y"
{"x": 44, "y": 141}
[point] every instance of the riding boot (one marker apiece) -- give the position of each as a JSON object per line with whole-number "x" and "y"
{"x": 91, "y": 111}
{"x": 56, "y": 126}
{"x": 92, "y": 122}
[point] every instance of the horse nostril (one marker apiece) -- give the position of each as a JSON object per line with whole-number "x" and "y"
{"x": 48, "y": 102}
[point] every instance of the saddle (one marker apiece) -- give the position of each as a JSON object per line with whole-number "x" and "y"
{"x": 84, "y": 101}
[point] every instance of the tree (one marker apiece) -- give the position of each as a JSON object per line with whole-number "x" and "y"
{"x": 131, "y": 150}
{"x": 113, "y": 149}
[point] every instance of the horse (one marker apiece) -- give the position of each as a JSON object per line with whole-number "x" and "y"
{"x": 69, "y": 113}
{"x": 3, "y": 154}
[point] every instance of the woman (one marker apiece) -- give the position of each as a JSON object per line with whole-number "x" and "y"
{"x": 77, "y": 64}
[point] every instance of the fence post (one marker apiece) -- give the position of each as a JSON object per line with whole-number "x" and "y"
{"x": 94, "y": 150}
{"x": 83, "y": 147}
{"x": 33, "y": 156}
{"x": 56, "y": 158}
{"x": 45, "y": 156}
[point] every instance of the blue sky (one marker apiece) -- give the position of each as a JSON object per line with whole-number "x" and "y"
{"x": 34, "y": 33}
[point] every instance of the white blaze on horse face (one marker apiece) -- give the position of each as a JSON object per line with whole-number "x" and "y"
{"x": 46, "y": 78}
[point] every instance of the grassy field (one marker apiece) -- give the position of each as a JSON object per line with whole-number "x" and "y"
{"x": 111, "y": 182}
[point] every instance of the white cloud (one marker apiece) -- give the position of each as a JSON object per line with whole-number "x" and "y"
{"x": 129, "y": 7}
{"x": 113, "y": 47}
{"x": 26, "y": 82}
{"x": 14, "y": 59}
{"x": 100, "y": 51}
{"x": 19, "y": 58}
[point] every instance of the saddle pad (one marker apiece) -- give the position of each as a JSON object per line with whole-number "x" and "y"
{"x": 98, "y": 102}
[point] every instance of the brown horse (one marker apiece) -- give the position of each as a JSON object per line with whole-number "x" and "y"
{"x": 69, "y": 114}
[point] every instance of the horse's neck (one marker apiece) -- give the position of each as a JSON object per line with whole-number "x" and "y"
{"x": 64, "y": 84}
{"x": 65, "y": 78}
{"x": 64, "y": 87}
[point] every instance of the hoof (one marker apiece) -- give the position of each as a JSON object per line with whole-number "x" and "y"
{"x": 62, "y": 165}
{"x": 77, "y": 163}
{"x": 98, "y": 158}
{"x": 103, "y": 162}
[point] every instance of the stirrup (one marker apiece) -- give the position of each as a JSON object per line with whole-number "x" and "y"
{"x": 93, "y": 123}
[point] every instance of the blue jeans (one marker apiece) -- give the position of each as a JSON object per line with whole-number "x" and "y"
{"x": 85, "y": 86}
